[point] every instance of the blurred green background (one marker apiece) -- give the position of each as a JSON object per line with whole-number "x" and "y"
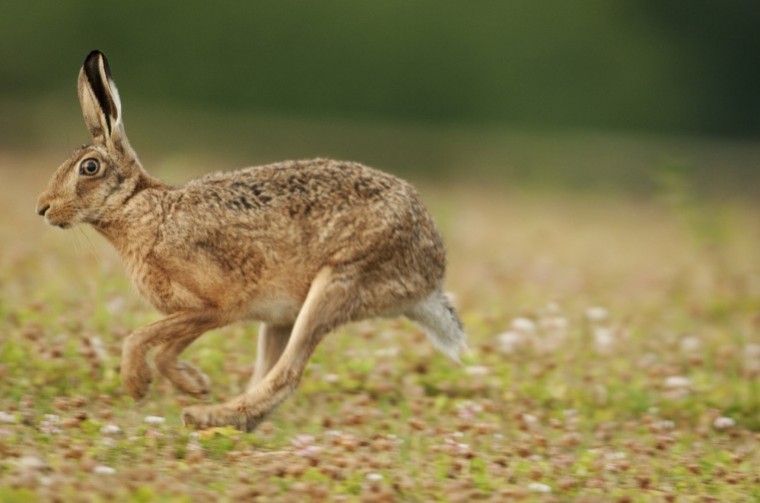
{"x": 568, "y": 94}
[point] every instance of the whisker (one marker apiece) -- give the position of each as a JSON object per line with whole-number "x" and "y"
{"x": 77, "y": 243}
{"x": 91, "y": 247}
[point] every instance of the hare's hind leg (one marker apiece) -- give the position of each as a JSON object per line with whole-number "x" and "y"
{"x": 185, "y": 377}
{"x": 330, "y": 302}
{"x": 271, "y": 344}
{"x": 441, "y": 323}
{"x": 135, "y": 371}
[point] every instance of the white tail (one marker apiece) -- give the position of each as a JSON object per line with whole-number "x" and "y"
{"x": 441, "y": 323}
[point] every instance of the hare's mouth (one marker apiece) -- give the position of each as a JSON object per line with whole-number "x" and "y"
{"x": 61, "y": 224}
{"x": 47, "y": 211}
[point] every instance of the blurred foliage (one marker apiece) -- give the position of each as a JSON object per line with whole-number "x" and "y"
{"x": 709, "y": 224}
{"x": 643, "y": 65}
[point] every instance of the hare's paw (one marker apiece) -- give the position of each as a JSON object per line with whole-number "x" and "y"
{"x": 136, "y": 377}
{"x": 209, "y": 416}
{"x": 188, "y": 379}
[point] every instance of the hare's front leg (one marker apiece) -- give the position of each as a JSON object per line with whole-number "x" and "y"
{"x": 185, "y": 377}
{"x": 328, "y": 304}
{"x": 135, "y": 371}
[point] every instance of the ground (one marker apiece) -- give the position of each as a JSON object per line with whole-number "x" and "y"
{"x": 615, "y": 356}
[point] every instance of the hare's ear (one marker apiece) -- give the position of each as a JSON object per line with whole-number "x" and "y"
{"x": 100, "y": 101}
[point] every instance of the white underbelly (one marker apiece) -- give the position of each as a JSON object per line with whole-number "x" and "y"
{"x": 278, "y": 311}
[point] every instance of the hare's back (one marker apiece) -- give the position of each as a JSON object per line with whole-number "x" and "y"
{"x": 323, "y": 204}
{"x": 319, "y": 192}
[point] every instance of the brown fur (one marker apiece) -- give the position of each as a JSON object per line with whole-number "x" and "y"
{"x": 303, "y": 246}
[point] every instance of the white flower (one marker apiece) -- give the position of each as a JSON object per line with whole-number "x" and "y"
{"x": 603, "y": 340}
{"x": 305, "y": 447}
{"x": 529, "y": 419}
{"x": 537, "y": 487}
{"x": 103, "y": 470}
{"x": 476, "y": 370}
{"x": 596, "y": 313}
{"x": 310, "y": 451}
{"x": 468, "y": 409}
{"x": 194, "y": 445}
{"x": 677, "y": 382}
{"x": 7, "y": 418}
{"x": 752, "y": 350}
{"x": 554, "y": 324}
{"x": 665, "y": 425}
{"x": 510, "y": 341}
{"x": 724, "y": 423}
{"x": 524, "y": 326}
{"x": 302, "y": 441}
{"x": 115, "y": 304}
{"x": 32, "y": 463}
{"x": 50, "y": 423}
{"x": 374, "y": 477}
{"x": 690, "y": 344}
{"x": 387, "y": 352}
{"x": 96, "y": 343}
{"x": 154, "y": 419}
{"x": 111, "y": 429}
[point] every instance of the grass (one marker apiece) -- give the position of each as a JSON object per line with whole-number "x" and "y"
{"x": 615, "y": 357}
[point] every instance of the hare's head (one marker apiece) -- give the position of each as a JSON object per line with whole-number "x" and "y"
{"x": 98, "y": 177}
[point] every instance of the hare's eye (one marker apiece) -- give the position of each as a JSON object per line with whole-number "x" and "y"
{"x": 89, "y": 167}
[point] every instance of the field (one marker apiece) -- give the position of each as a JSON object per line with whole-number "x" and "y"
{"x": 615, "y": 356}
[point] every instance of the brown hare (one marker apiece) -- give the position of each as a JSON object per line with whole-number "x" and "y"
{"x": 302, "y": 246}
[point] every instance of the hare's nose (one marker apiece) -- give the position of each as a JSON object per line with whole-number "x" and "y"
{"x": 41, "y": 210}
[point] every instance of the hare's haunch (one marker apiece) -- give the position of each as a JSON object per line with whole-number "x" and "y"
{"x": 303, "y": 246}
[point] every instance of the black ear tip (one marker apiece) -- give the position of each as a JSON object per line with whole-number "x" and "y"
{"x": 92, "y": 62}
{"x": 94, "y": 55}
